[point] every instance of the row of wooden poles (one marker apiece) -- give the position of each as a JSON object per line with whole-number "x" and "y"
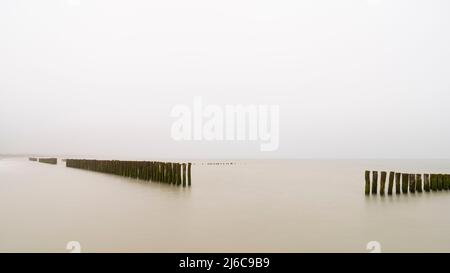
{"x": 53, "y": 161}
{"x": 178, "y": 174}
{"x": 405, "y": 182}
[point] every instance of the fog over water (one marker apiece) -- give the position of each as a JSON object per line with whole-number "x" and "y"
{"x": 353, "y": 78}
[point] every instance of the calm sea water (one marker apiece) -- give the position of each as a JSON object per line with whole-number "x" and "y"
{"x": 257, "y": 206}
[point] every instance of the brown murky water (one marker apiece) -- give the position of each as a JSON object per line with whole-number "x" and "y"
{"x": 257, "y": 206}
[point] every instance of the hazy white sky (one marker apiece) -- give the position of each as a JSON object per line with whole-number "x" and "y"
{"x": 353, "y": 78}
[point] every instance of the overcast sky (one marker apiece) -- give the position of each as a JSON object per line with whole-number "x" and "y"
{"x": 352, "y": 78}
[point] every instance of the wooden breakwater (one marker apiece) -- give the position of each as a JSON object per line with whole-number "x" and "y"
{"x": 32, "y": 159}
{"x": 178, "y": 174}
{"x": 53, "y": 161}
{"x": 405, "y": 183}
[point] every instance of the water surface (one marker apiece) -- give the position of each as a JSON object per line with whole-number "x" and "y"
{"x": 251, "y": 206}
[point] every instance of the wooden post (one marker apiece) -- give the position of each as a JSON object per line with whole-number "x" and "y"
{"x": 391, "y": 183}
{"x": 169, "y": 172}
{"x": 163, "y": 170}
{"x": 383, "y": 182}
{"x": 174, "y": 174}
{"x": 397, "y": 182}
{"x": 445, "y": 182}
{"x": 189, "y": 174}
{"x": 433, "y": 182}
{"x": 439, "y": 182}
{"x": 374, "y": 182}
{"x": 163, "y": 165}
{"x": 141, "y": 171}
{"x": 152, "y": 171}
{"x": 159, "y": 172}
{"x": 418, "y": 182}
{"x": 412, "y": 183}
{"x": 367, "y": 177}
{"x": 426, "y": 182}
{"x": 184, "y": 174}
{"x": 146, "y": 168}
{"x": 162, "y": 173}
{"x": 179, "y": 174}
{"x": 405, "y": 182}
{"x": 174, "y": 170}
{"x": 447, "y": 178}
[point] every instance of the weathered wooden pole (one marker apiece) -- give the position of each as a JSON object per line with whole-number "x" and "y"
{"x": 433, "y": 182}
{"x": 391, "y": 182}
{"x": 173, "y": 180}
{"x": 412, "y": 183}
{"x": 405, "y": 182}
{"x": 426, "y": 182}
{"x": 152, "y": 171}
{"x": 158, "y": 171}
{"x": 168, "y": 172}
{"x": 161, "y": 172}
{"x": 418, "y": 182}
{"x": 130, "y": 169}
{"x": 189, "y": 174}
{"x": 397, "y": 182}
{"x": 161, "y": 178}
{"x": 447, "y": 182}
{"x": 374, "y": 182}
{"x": 173, "y": 174}
{"x": 383, "y": 182}
{"x": 184, "y": 174}
{"x": 179, "y": 174}
{"x": 367, "y": 178}
{"x": 140, "y": 171}
{"x": 144, "y": 171}
{"x": 149, "y": 171}
{"x": 164, "y": 175}
{"x": 439, "y": 182}
{"x": 135, "y": 170}
{"x": 154, "y": 168}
